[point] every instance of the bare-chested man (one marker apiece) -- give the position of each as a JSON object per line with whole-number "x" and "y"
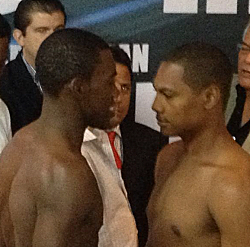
{"x": 52, "y": 194}
{"x": 202, "y": 192}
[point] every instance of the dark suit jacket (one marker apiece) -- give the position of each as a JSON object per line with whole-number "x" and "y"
{"x": 20, "y": 94}
{"x": 141, "y": 145}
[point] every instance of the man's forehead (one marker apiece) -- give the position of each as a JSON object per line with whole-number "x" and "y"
{"x": 122, "y": 71}
{"x": 170, "y": 76}
{"x": 170, "y": 69}
{"x": 39, "y": 17}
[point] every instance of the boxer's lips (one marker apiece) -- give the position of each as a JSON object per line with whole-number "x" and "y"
{"x": 162, "y": 122}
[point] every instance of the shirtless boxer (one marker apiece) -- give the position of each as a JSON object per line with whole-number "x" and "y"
{"x": 52, "y": 194}
{"x": 202, "y": 192}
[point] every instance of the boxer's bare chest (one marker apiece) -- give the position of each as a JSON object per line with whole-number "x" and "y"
{"x": 181, "y": 215}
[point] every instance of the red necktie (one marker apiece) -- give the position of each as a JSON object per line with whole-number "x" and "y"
{"x": 111, "y": 136}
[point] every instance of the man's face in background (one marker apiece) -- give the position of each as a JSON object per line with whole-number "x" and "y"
{"x": 244, "y": 62}
{"x": 41, "y": 26}
{"x": 123, "y": 84}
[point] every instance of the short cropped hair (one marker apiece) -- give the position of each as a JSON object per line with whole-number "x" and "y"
{"x": 245, "y": 30}
{"x": 22, "y": 15}
{"x": 120, "y": 56}
{"x": 5, "y": 29}
{"x": 65, "y": 55}
{"x": 204, "y": 64}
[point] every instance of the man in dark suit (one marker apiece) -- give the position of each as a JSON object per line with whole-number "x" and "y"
{"x": 34, "y": 21}
{"x": 140, "y": 148}
{"x": 141, "y": 145}
{"x": 137, "y": 147}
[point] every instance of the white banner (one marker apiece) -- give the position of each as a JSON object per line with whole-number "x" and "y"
{"x": 8, "y": 6}
{"x": 222, "y": 7}
{"x": 145, "y": 95}
{"x": 180, "y": 6}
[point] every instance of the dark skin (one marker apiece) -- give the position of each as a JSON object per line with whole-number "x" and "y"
{"x": 52, "y": 194}
{"x": 56, "y": 190}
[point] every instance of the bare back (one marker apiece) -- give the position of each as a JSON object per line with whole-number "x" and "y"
{"x": 53, "y": 199}
{"x": 198, "y": 202}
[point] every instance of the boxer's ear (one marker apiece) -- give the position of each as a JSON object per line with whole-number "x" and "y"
{"x": 211, "y": 96}
{"x": 78, "y": 87}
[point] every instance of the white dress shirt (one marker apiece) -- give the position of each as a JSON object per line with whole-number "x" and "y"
{"x": 5, "y": 127}
{"x": 119, "y": 227}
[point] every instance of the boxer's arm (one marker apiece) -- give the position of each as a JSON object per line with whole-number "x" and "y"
{"x": 229, "y": 204}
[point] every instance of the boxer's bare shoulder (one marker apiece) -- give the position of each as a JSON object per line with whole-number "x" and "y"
{"x": 167, "y": 160}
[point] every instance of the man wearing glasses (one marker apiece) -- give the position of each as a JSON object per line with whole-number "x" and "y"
{"x": 239, "y": 122}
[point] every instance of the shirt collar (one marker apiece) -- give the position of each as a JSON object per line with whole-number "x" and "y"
{"x": 91, "y": 134}
{"x": 32, "y": 72}
{"x": 117, "y": 130}
{"x": 30, "y": 68}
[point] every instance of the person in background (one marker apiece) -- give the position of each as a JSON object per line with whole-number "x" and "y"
{"x": 5, "y": 127}
{"x": 239, "y": 122}
{"x": 34, "y": 21}
{"x": 202, "y": 191}
{"x": 122, "y": 159}
{"x": 46, "y": 184}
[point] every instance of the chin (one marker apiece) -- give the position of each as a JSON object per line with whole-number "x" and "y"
{"x": 245, "y": 83}
{"x": 115, "y": 121}
{"x": 168, "y": 132}
{"x": 104, "y": 124}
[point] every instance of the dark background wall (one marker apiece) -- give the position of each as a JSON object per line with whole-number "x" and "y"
{"x": 142, "y": 24}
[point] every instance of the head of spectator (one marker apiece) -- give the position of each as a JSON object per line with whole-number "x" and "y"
{"x": 244, "y": 60}
{"x": 5, "y": 32}
{"x": 76, "y": 71}
{"x": 123, "y": 82}
{"x": 193, "y": 86}
{"x": 34, "y": 21}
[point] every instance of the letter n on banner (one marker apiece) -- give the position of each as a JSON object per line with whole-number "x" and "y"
{"x": 180, "y": 6}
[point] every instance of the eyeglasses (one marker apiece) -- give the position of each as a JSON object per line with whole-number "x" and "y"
{"x": 244, "y": 48}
